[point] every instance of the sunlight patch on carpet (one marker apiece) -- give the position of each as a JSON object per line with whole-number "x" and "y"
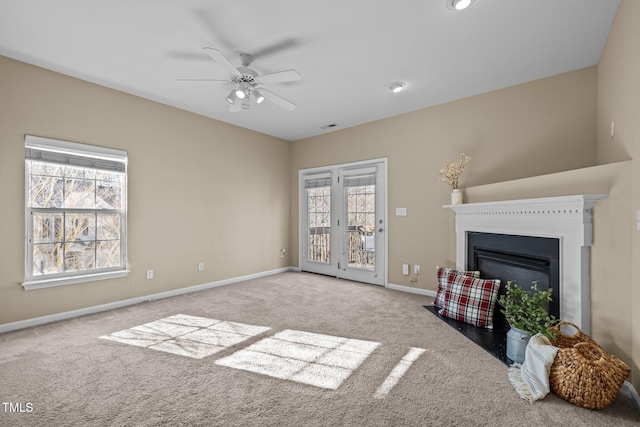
{"x": 314, "y": 359}
{"x": 318, "y": 360}
{"x": 185, "y": 335}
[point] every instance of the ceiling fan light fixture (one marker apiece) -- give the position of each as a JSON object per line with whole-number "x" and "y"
{"x": 240, "y": 92}
{"x": 246, "y": 103}
{"x": 397, "y": 87}
{"x": 259, "y": 97}
{"x": 459, "y": 4}
{"x": 231, "y": 98}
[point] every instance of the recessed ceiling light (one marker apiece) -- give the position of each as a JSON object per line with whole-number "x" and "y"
{"x": 459, "y": 4}
{"x": 397, "y": 87}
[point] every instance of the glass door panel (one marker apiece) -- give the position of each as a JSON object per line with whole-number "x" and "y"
{"x": 361, "y": 210}
{"x": 319, "y": 224}
{"x": 317, "y": 239}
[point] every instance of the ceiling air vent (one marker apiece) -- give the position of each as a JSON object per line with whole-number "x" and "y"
{"x": 332, "y": 125}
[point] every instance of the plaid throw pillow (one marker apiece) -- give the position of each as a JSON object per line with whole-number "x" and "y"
{"x": 471, "y": 300}
{"x": 445, "y": 276}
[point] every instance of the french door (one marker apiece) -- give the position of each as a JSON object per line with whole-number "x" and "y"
{"x": 343, "y": 221}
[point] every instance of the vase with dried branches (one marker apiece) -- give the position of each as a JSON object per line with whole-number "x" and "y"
{"x": 450, "y": 174}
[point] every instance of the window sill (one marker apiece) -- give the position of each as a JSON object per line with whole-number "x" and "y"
{"x": 50, "y": 283}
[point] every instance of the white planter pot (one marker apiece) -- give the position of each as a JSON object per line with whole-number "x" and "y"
{"x": 456, "y": 196}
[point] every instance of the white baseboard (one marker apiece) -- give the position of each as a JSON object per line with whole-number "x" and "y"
{"x": 412, "y": 290}
{"x": 7, "y": 327}
{"x": 630, "y": 391}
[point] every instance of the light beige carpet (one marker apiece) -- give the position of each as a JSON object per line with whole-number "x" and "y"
{"x": 292, "y": 349}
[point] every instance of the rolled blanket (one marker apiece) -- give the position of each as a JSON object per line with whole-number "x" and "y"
{"x": 531, "y": 379}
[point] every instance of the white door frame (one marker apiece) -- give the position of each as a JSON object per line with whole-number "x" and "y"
{"x": 381, "y": 163}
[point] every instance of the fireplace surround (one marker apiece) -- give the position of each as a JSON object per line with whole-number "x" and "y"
{"x": 567, "y": 219}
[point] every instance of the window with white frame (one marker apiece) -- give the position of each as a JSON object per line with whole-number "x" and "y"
{"x": 76, "y": 206}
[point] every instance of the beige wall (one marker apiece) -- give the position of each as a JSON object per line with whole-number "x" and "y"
{"x": 619, "y": 101}
{"x": 532, "y": 129}
{"x": 199, "y": 190}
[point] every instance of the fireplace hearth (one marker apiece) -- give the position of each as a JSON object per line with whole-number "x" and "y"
{"x": 510, "y": 258}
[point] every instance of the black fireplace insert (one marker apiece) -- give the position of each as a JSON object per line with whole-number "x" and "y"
{"x": 516, "y": 259}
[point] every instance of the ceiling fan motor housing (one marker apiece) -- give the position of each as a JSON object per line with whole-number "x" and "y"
{"x": 247, "y": 75}
{"x": 246, "y": 59}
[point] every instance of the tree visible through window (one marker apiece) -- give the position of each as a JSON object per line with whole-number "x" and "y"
{"x": 76, "y": 209}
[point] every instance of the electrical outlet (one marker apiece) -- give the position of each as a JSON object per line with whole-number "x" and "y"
{"x": 201, "y": 266}
{"x": 149, "y": 274}
{"x": 282, "y": 252}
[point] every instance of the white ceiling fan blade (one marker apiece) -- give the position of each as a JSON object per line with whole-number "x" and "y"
{"x": 190, "y": 81}
{"x": 278, "y": 100}
{"x": 279, "y": 77}
{"x": 274, "y": 48}
{"x": 217, "y": 56}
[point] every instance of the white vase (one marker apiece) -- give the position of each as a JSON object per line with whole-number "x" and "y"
{"x": 456, "y": 196}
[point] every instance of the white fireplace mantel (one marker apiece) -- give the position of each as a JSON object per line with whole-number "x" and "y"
{"x": 567, "y": 218}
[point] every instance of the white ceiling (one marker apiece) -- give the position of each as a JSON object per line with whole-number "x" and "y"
{"x": 348, "y": 52}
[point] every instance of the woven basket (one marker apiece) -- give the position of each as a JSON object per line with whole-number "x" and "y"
{"x": 563, "y": 340}
{"x": 583, "y": 373}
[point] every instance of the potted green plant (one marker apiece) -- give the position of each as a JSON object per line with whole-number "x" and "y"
{"x": 527, "y": 314}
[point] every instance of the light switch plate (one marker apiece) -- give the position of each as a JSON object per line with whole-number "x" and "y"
{"x": 405, "y": 269}
{"x": 401, "y": 211}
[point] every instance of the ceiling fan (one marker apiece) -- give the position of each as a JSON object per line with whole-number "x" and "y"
{"x": 247, "y": 83}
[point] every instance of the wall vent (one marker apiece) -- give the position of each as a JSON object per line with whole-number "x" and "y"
{"x": 329, "y": 126}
